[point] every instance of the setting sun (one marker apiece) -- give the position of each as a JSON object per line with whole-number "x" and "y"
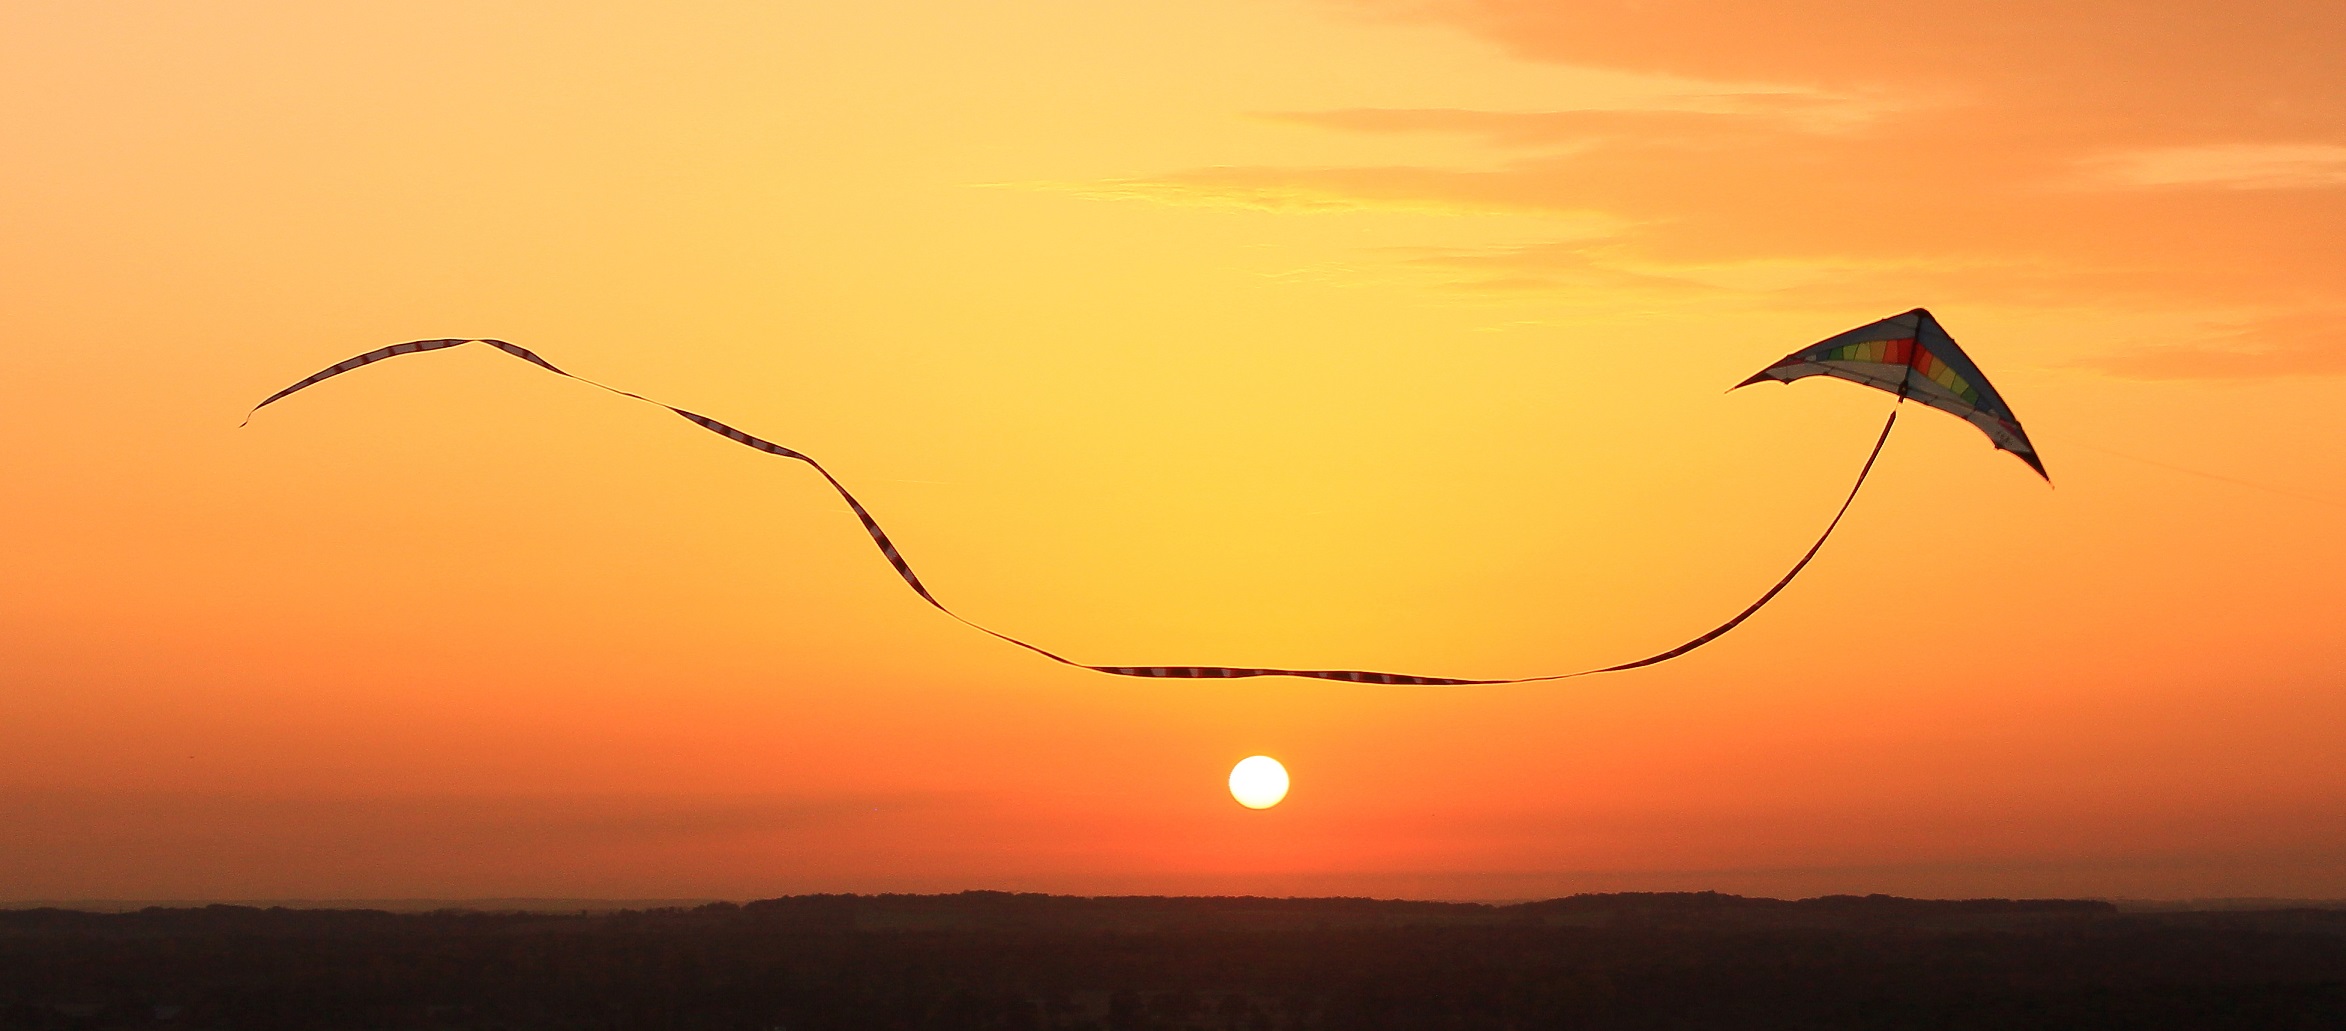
{"x": 1258, "y": 782}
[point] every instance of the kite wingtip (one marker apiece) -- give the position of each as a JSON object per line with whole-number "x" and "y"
{"x": 2035, "y": 463}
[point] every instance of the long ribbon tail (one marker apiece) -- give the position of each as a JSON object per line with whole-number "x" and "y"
{"x": 1764, "y": 599}
{"x": 903, "y": 568}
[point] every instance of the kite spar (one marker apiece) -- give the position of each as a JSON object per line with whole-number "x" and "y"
{"x": 1909, "y": 355}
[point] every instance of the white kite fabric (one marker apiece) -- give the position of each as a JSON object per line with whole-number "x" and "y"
{"x": 903, "y": 569}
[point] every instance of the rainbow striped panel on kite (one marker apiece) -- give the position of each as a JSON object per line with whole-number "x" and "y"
{"x": 1912, "y": 356}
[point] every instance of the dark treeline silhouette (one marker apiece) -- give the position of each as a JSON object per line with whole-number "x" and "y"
{"x": 995, "y": 960}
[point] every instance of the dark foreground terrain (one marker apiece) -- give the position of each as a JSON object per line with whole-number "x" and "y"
{"x": 987, "y": 960}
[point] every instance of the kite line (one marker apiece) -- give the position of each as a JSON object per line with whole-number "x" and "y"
{"x": 903, "y": 569}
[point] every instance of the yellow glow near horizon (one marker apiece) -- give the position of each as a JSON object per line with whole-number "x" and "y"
{"x": 1258, "y": 782}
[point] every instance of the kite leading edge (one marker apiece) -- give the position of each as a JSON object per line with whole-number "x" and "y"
{"x": 1908, "y": 355}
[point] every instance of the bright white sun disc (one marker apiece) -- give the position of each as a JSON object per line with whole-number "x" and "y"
{"x": 1258, "y": 782}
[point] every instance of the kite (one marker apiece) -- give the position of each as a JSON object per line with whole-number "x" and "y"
{"x": 1911, "y": 356}
{"x": 1908, "y": 355}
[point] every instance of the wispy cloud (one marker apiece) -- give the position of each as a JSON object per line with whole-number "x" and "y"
{"x": 2297, "y": 344}
{"x": 1689, "y": 118}
{"x": 2262, "y": 353}
{"x": 1951, "y": 162}
{"x": 1320, "y": 190}
{"x": 1577, "y": 265}
{"x": 2239, "y": 166}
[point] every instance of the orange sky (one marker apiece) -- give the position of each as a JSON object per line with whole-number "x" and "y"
{"x": 1369, "y": 334}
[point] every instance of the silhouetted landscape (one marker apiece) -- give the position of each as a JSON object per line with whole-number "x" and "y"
{"x": 995, "y": 960}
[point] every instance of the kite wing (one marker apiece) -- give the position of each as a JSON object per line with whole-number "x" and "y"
{"x": 1912, "y": 356}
